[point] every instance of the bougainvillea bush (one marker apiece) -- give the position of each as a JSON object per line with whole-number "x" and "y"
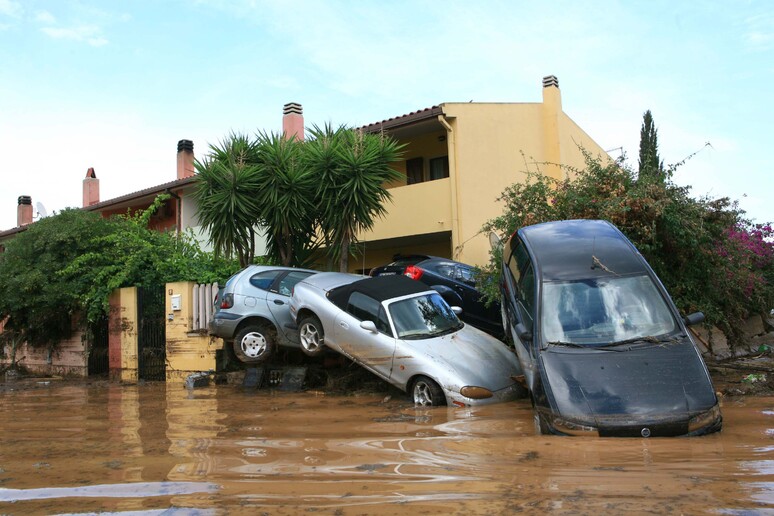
{"x": 707, "y": 254}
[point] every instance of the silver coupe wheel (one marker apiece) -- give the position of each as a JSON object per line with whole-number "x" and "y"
{"x": 427, "y": 393}
{"x": 311, "y": 335}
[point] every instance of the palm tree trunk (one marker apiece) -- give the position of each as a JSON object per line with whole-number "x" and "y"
{"x": 344, "y": 256}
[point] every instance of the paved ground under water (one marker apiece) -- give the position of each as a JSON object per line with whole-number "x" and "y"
{"x": 155, "y": 448}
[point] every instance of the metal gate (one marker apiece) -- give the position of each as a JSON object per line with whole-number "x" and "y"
{"x": 151, "y": 335}
{"x": 99, "y": 362}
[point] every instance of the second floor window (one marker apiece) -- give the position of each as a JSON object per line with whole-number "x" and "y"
{"x": 438, "y": 168}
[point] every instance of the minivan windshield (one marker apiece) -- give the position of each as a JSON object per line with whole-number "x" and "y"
{"x": 605, "y": 311}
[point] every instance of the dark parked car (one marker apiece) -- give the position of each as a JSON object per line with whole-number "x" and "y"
{"x": 455, "y": 281}
{"x": 603, "y": 348}
{"x": 252, "y": 311}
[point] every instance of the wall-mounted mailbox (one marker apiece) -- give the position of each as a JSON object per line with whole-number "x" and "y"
{"x": 176, "y": 301}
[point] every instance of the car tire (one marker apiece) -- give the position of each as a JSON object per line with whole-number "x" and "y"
{"x": 253, "y": 344}
{"x": 426, "y": 393}
{"x": 311, "y": 336}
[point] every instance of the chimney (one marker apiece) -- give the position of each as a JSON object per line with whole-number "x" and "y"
{"x": 90, "y": 189}
{"x": 185, "y": 159}
{"x": 24, "y": 211}
{"x": 552, "y": 120}
{"x": 551, "y": 93}
{"x": 293, "y": 121}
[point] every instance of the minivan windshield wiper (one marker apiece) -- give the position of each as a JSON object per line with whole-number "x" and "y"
{"x": 652, "y": 339}
{"x": 580, "y": 346}
{"x": 567, "y": 344}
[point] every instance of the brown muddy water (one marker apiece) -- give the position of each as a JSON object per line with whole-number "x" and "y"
{"x": 161, "y": 449}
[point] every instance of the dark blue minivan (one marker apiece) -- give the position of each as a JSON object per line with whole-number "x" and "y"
{"x": 603, "y": 348}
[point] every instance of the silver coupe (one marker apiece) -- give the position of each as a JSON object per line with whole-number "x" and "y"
{"x": 404, "y": 332}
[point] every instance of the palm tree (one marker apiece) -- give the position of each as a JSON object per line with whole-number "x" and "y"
{"x": 285, "y": 195}
{"x": 352, "y": 169}
{"x": 225, "y": 191}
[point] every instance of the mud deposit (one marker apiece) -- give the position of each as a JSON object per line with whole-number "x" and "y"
{"x": 108, "y": 448}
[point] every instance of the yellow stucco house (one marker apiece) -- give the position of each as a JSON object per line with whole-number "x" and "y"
{"x": 459, "y": 157}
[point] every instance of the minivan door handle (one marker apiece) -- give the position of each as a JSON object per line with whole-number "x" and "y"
{"x": 279, "y": 302}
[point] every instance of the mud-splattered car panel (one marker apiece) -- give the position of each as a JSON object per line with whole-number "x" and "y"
{"x": 408, "y": 335}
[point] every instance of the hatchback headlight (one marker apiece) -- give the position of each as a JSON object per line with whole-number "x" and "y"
{"x": 476, "y": 393}
{"x": 704, "y": 419}
{"x": 569, "y": 427}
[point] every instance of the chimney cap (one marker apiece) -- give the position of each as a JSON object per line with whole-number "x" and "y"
{"x": 185, "y": 145}
{"x": 90, "y": 173}
{"x": 25, "y": 199}
{"x": 550, "y": 80}
{"x": 292, "y": 108}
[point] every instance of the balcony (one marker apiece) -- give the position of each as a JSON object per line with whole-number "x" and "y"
{"x": 416, "y": 209}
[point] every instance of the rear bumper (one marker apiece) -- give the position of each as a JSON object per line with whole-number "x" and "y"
{"x": 224, "y": 325}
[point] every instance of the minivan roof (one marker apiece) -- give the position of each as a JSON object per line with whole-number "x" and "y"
{"x": 581, "y": 249}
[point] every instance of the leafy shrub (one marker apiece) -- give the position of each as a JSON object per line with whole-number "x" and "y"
{"x": 63, "y": 268}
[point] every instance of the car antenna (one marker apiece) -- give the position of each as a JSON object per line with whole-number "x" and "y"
{"x": 596, "y": 262}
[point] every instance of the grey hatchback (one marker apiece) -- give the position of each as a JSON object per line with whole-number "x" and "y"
{"x": 252, "y": 311}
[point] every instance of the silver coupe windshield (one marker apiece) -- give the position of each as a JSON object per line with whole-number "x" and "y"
{"x": 423, "y": 317}
{"x": 604, "y": 311}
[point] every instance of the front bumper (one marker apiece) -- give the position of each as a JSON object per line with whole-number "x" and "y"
{"x": 631, "y": 426}
{"x": 510, "y": 393}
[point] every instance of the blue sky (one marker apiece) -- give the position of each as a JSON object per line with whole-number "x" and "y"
{"x": 115, "y": 85}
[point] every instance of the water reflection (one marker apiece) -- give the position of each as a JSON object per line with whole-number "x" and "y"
{"x": 118, "y": 449}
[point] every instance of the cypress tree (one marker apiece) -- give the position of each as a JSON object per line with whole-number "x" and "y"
{"x": 650, "y": 164}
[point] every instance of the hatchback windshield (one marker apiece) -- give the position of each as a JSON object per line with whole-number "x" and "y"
{"x": 604, "y": 311}
{"x": 422, "y": 317}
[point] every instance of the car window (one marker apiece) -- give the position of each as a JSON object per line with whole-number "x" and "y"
{"x": 263, "y": 280}
{"x": 407, "y": 260}
{"x": 446, "y": 270}
{"x": 366, "y": 308}
{"x": 466, "y": 275}
{"x": 526, "y": 292}
{"x": 513, "y": 267}
{"x": 423, "y": 317}
{"x": 287, "y": 283}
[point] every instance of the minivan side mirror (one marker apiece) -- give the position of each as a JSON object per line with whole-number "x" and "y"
{"x": 694, "y": 318}
{"x": 522, "y": 332}
{"x": 457, "y": 310}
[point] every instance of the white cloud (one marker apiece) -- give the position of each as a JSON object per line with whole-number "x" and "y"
{"x": 45, "y": 17}
{"x": 11, "y": 8}
{"x": 85, "y": 33}
{"x": 759, "y": 33}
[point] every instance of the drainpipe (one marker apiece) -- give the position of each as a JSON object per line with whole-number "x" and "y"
{"x": 178, "y": 209}
{"x": 451, "y": 145}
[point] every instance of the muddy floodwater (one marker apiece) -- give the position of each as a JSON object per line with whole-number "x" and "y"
{"x": 162, "y": 449}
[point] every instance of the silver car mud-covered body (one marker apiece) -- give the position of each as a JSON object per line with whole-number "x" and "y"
{"x": 469, "y": 366}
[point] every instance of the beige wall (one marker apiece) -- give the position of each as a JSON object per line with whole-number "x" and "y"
{"x": 415, "y": 210}
{"x": 127, "y": 326}
{"x": 69, "y": 359}
{"x": 187, "y": 351}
